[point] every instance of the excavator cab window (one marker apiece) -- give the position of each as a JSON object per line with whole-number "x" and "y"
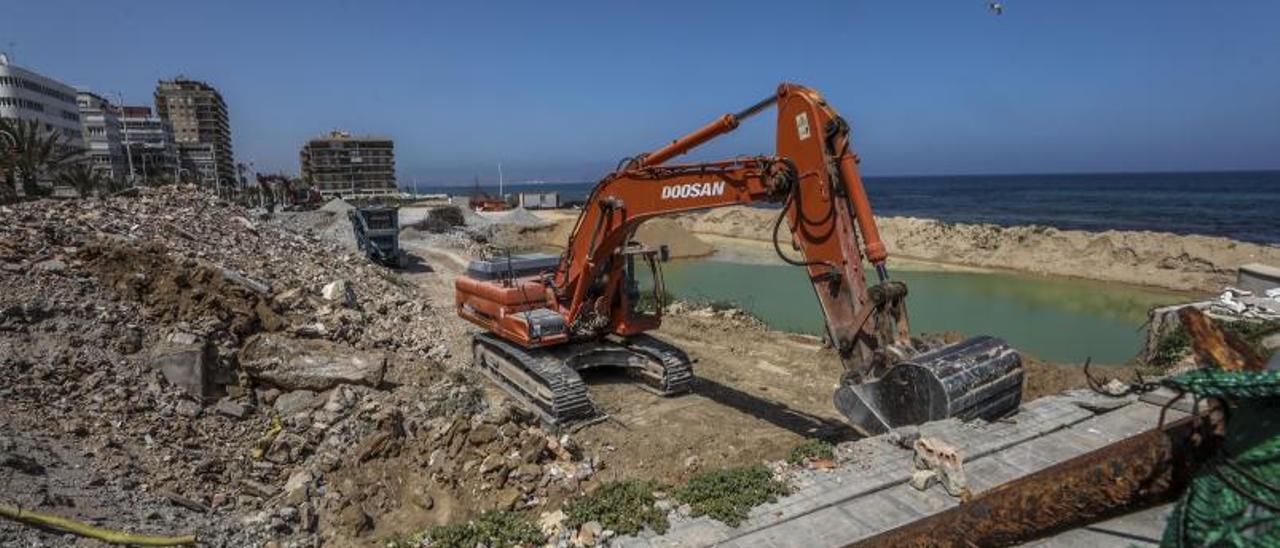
{"x": 643, "y": 288}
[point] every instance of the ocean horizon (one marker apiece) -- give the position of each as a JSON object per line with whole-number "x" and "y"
{"x": 1241, "y": 205}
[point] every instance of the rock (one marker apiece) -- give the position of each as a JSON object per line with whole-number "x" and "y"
{"x": 310, "y": 364}
{"x": 298, "y": 488}
{"x": 231, "y": 409}
{"x": 257, "y": 489}
{"x": 684, "y": 510}
{"x": 663, "y": 506}
{"x": 589, "y": 533}
{"x": 508, "y": 498}
{"x": 339, "y": 399}
{"x": 482, "y": 434}
{"x": 904, "y": 436}
{"x": 551, "y": 523}
{"x": 693, "y": 462}
{"x": 287, "y": 448}
{"x": 187, "y": 408}
{"x": 422, "y": 499}
{"x": 354, "y": 519}
{"x": 339, "y": 291}
{"x": 294, "y": 402}
{"x": 491, "y": 463}
{"x": 51, "y": 265}
{"x": 527, "y": 472}
{"x": 185, "y": 365}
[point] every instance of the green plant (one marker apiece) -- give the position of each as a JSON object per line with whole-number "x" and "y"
{"x": 83, "y": 178}
{"x": 1171, "y": 348}
{"x": 34, "y": 153}
{"x": 811, "y": 450}
{"x": 495, "y": 529}
{"x": 729, "y": 494}
{"x": 626, "y": 507}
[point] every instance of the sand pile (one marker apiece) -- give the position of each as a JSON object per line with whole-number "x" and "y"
{"x": 1197, "y": 263}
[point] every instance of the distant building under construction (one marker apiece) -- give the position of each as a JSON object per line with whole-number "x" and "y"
{"x": 339, "y": 164}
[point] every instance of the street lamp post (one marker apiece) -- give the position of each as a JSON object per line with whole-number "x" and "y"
{"x": 128, "y": 148}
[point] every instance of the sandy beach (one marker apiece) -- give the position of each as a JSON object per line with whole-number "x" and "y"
{"x": 1155, "y": 259}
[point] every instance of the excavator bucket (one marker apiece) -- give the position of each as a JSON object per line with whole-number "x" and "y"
{"x": 979, "y": 378}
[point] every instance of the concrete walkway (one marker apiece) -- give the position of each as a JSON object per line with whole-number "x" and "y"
{"x": 868, "y": 493}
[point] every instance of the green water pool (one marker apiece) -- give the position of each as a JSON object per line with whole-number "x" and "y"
{"x": 1059, "y": 320}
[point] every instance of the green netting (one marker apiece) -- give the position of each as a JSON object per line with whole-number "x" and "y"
{"x": 1235, "y": 499}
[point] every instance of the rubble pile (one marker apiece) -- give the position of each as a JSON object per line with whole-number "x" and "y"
{"x": 172, "y": 363}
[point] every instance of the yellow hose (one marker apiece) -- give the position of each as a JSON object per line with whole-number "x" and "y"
{"x": 105, "y": 535}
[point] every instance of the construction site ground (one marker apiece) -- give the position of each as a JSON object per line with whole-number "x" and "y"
{"x": 759, "y": 392}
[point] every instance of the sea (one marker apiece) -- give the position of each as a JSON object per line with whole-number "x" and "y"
{"x": 1241, "y": 205}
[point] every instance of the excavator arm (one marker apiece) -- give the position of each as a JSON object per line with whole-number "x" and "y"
{"x": 825, "y": 210}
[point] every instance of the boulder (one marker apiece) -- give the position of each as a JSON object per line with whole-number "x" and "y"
{"x": 310, "y": 364}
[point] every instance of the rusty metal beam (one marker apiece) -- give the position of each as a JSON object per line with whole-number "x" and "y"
{"x": 1136, "y": 473}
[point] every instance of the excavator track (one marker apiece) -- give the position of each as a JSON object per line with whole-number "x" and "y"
{"x": 547, "y": 380}
{"x": 543, "y": 383}
{"x": 676, "y": 369}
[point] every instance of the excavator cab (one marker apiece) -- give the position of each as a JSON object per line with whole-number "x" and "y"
{"x": 643, "y": 291}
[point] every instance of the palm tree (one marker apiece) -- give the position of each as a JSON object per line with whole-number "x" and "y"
{"x": 84, "y": 179}
{"x": 36, "y": 153}
{"x": 8, "y": 159}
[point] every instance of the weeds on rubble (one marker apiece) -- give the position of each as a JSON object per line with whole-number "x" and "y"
{"x": 626, "y": 507}
{"x": 811, "y": 450}
{"x": 496, "y": 529}
{"x": 1171, "y": 348}
{"x": 729, "y": 494}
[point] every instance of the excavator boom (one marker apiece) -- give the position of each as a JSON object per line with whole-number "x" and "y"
{"x": 588, "y": 295}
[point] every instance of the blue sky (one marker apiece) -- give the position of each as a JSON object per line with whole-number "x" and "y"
{"x": 561, "y": 90}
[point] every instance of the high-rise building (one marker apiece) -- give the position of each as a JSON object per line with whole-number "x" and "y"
{"x": 27, "y": 95}
{"x": 147, "y": 141}
{"x": 339, "y": 164}
{"x": 102, "y": 136}
{"x": 201, "y": 129}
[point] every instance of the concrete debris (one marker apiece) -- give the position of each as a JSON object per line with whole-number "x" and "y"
{"x": 121, "y": 318}
{"x": 339, "y": 291}
{"x": 936, "y": 461}
{"x": 293, "y": 364}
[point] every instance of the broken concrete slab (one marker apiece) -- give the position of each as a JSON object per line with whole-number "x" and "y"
{"x": 311, "y": 364}
{"x": 296, "y": 401}
{"x": 186, "y": 363}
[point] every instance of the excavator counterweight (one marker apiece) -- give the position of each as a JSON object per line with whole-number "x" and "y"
{"x": 547, "y": 318}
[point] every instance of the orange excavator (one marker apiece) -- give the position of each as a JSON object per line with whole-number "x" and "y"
{"x": 546, "y": 318}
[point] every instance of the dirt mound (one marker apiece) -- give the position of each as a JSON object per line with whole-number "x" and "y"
{"x": 1147, "y": 258}
{"x": 653, "y": 233}
{"x": 337, "y": 205}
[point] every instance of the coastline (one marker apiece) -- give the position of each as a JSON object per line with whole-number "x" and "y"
{"x": 1179, "y": 263}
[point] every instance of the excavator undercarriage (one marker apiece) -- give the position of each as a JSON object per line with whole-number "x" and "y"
{"x": 548, "y": 383}
{"x": 548, "y": 318}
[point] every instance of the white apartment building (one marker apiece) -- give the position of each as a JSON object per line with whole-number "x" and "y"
{"x": 26, "y": 95}
{"x": 103, "y": 136}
